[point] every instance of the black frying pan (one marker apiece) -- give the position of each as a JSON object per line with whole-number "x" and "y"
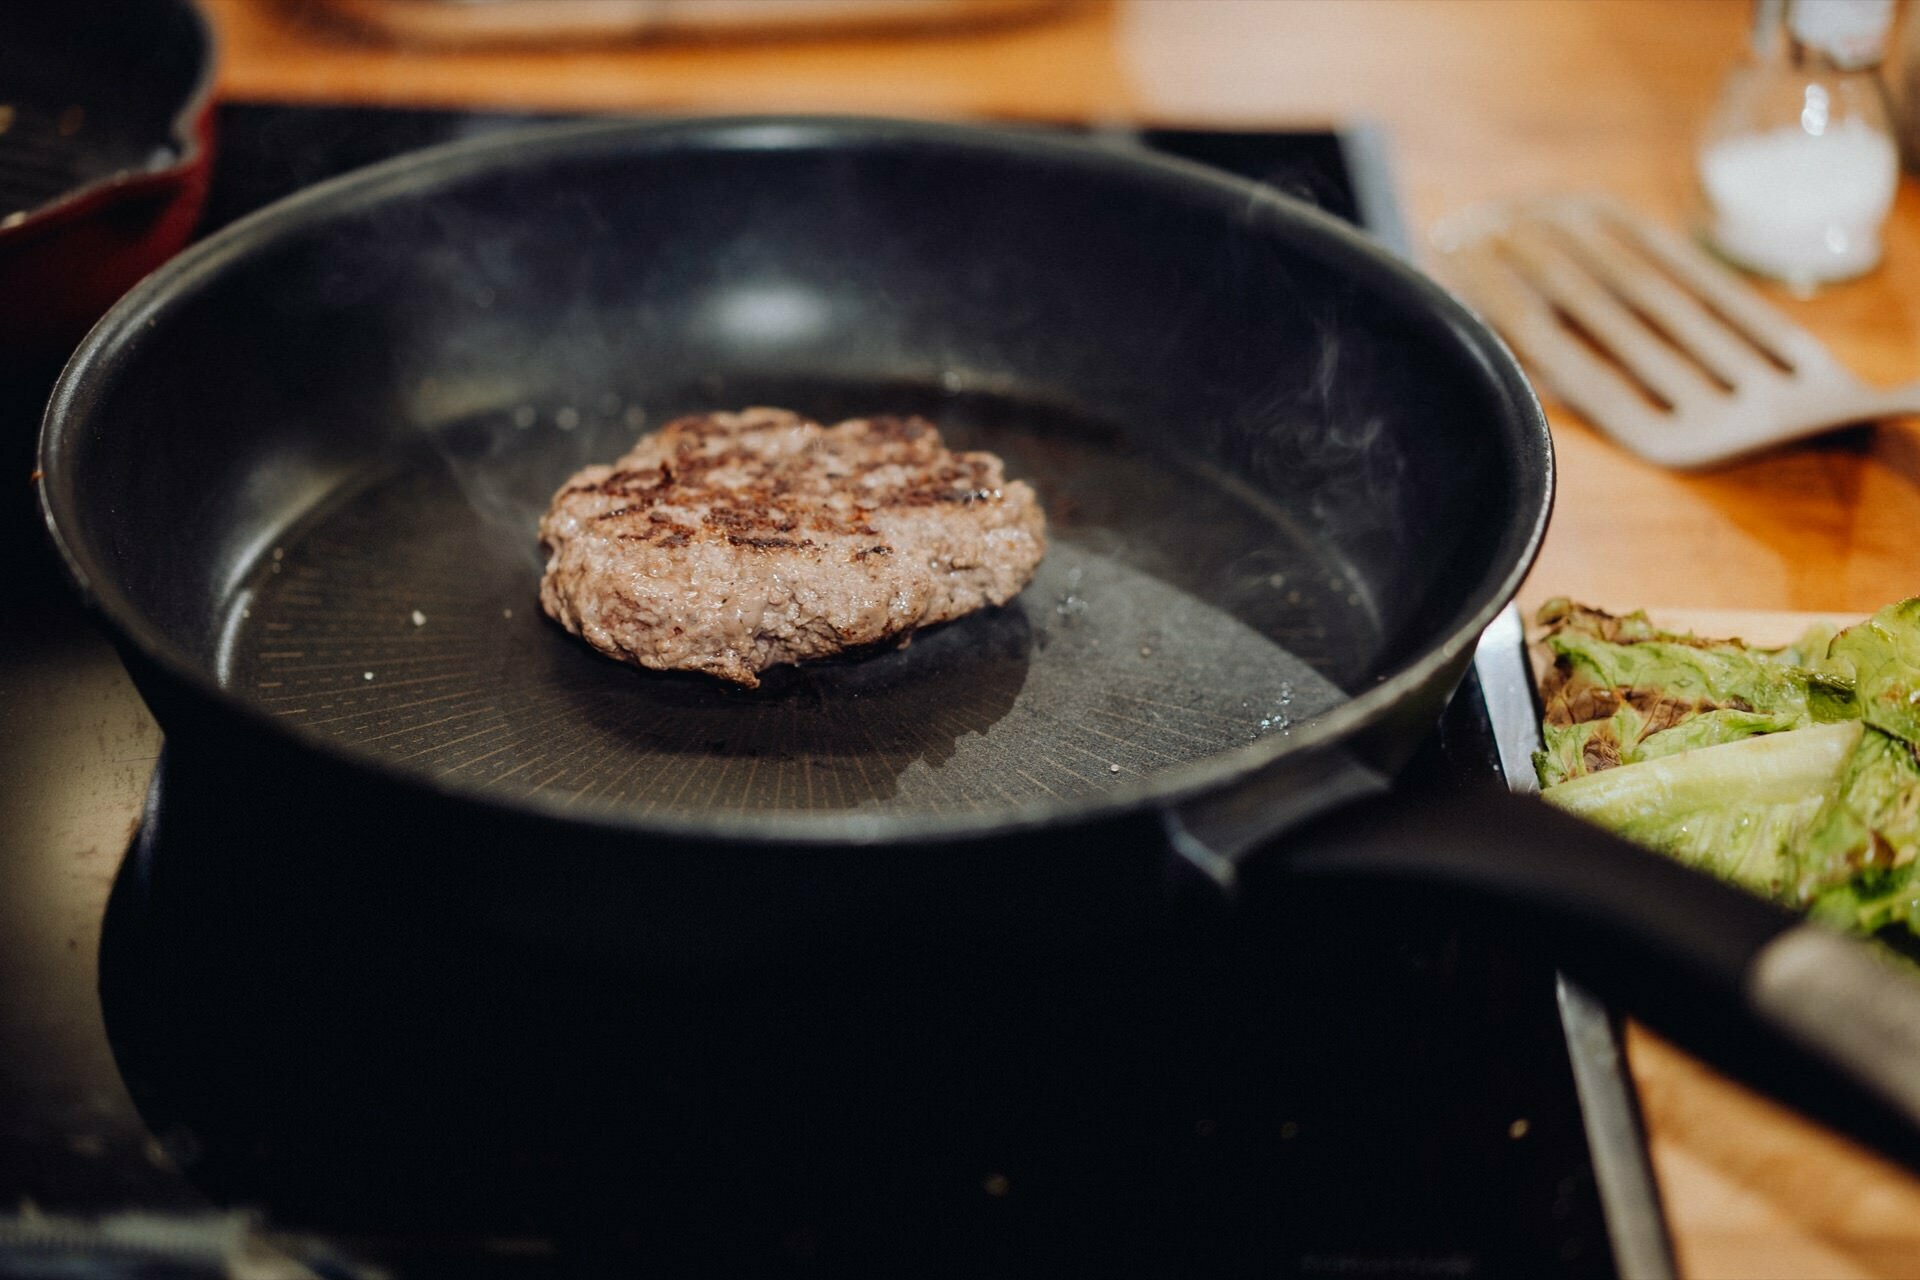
{"x": 1290, "y": 482}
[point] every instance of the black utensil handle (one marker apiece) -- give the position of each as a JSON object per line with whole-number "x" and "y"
{"x": 1713, "y": 967}
{"x": 1630, "y": 923}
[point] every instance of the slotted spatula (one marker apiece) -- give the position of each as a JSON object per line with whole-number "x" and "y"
{"x": 1647, "y": 336}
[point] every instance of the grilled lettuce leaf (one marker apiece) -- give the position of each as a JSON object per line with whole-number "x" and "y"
{"x": 1741, "y": 810}
{"x": 1880, "y": 659}
{"x": 1794, "y": 772}
{"x": 1621, "y": 691}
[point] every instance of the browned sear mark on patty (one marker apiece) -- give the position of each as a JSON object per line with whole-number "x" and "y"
{"x": 766, "y": 544}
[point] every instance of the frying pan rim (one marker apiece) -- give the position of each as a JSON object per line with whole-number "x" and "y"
{"x": 185, "y": 129}
{"x": 117, "y": 333}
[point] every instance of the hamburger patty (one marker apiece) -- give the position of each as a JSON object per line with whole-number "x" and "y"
{"x": 733, "y": 542}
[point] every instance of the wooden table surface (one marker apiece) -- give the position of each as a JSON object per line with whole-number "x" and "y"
{"x": 1481, "y": 99}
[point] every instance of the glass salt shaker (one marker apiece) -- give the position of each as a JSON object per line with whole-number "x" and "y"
{"x": 1798, "y": 163}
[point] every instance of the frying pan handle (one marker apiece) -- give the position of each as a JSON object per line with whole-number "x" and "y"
{"x": 1733, "y": 977}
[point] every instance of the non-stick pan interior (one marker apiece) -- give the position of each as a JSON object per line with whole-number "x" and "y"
{"x": 305, "y": 464}
{"x": 1173, "y": 619}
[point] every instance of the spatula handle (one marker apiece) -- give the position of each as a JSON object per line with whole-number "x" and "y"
{"x": 1894, "y": 402}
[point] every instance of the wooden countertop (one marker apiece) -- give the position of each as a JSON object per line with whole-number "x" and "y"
{"x": 1481, "y": 99}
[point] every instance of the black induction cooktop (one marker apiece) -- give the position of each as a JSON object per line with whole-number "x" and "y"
{"x": 1372, "y": 1087}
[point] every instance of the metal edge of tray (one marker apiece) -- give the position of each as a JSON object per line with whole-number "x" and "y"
{"x": 1609, "y": 1108}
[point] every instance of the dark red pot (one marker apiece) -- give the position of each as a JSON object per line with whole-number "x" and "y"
{"x": 106, "y": 158}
